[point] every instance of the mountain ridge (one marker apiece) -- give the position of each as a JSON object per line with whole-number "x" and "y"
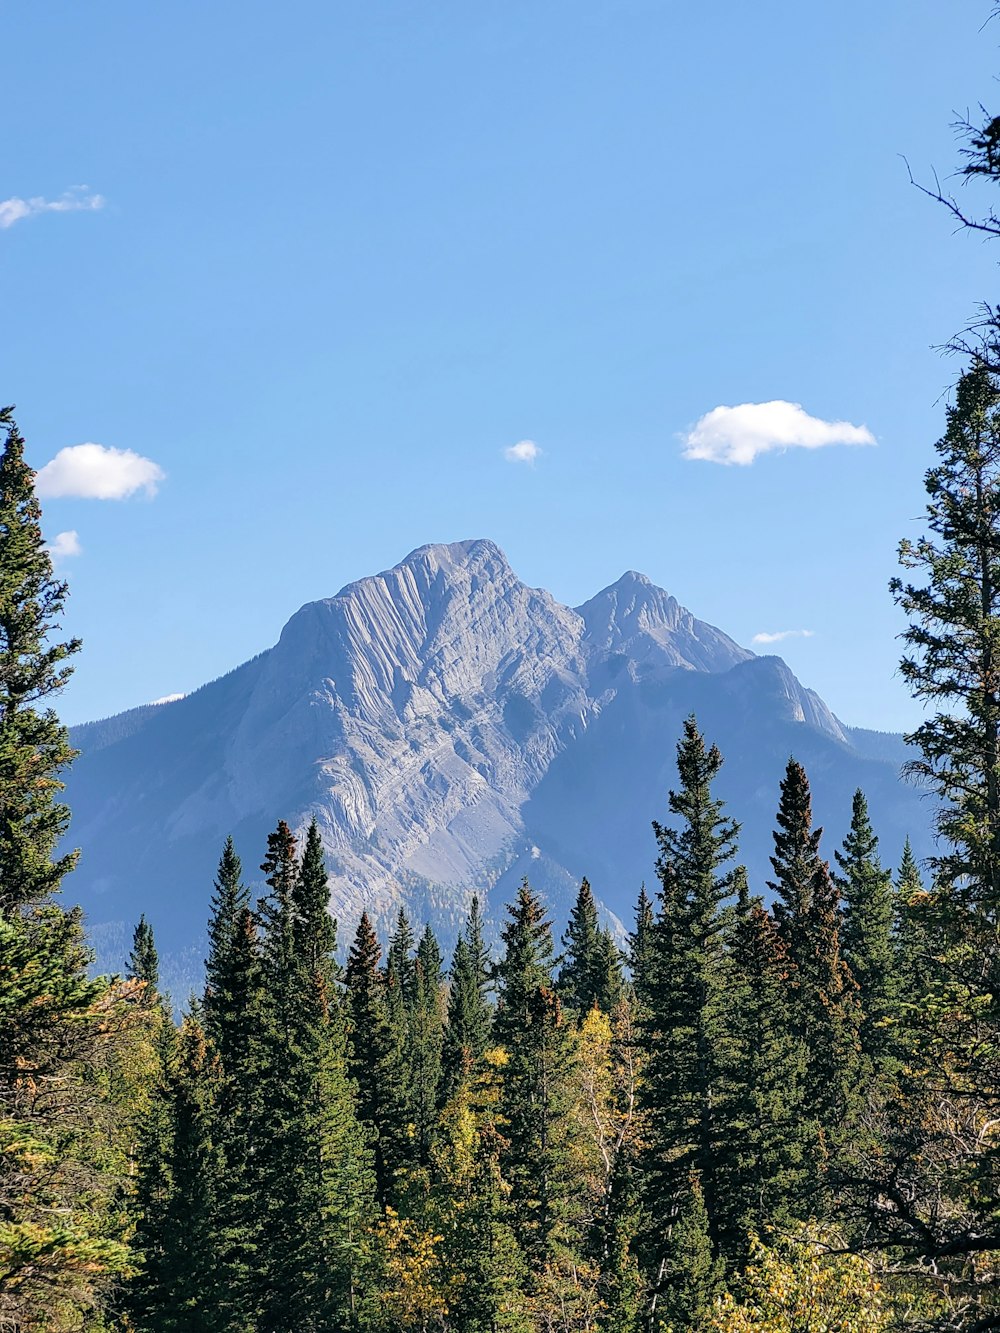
{"x": 445, "y": 723}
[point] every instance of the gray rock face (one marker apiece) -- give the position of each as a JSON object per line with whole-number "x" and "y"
{"x": 450, "y": 729}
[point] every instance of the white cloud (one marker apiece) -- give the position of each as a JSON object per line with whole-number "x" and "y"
{"x": 525, "y": 451}
{"x": 77, "y": 200}
{"x": 167, "y": 699}
{"x": 780, "y": 634}
{"x": 65, "y": 544}
{"x": 97, "y": 472}
{"x": 739, "y": 434}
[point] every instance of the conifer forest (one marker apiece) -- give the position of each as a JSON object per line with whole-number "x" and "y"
{"x": 775, "y": 1106}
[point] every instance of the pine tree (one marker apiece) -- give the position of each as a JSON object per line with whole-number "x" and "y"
{"x": 640, "y": 950}
{"x": 686, "y": 1002}
{"x": 690, "y": 1276}
{"x": 371, "y": 1061}
{"x": 763, "y": 1153}
{"x": 34, "y": 746}
{"x": 823, "y": 1009}
{"x": 179, "y": 1288}
{"x": 315, "y": 930}
{"x": 277, "y": 911}
{"x": 867, "y": 931}
{"x": 237, "y": 1021}
{"x": 61, "y": 1031}
{"x": 535, "y": 1092}
{"x": 591, "y": 972}
{"x": 912, "y": 928}
{"x": 144, "y": 963}
{"x": 578, "y": 974}
{"x": 609, "y": 980}
{"x": 310, "y": 1164}
{"x": 469, "y": 1014}
{"x": 230, "y": 900}
{"x": 951, "y": 658}
{"x": 426, "y": 1040}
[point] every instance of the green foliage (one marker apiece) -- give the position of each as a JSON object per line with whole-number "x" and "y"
{"x": 535, "y": 1087}
{"x": 34, "y": 747}
{"x": 866, "y": 934}
{"x": 71, "y": 1046}
{"x": 66, "y": 1042}
{"x": 373, "y": 1061}
{"x": 143, "y": 963}
{"x": 181, "y": 1286}
{"x": 469, "y": 1015}
{"x": 823, "y": 1009}
{"x": 953, "y": 639}
{"x": 795, "y": 1284}
{"x": 690, "y": 1276}
{"x": 763, "y": 1152}
{"x": 684, "y": 994}
{"x": 591, "y": 972}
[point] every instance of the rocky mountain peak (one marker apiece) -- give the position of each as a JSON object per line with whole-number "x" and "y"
{"x": 450, "y": 729}
{"x": 635, "y": 617}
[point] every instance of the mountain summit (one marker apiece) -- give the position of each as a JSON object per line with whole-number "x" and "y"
{"x": 451, "y": 730}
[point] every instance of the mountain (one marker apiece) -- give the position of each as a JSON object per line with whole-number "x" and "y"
{"x": 452, "y": 730}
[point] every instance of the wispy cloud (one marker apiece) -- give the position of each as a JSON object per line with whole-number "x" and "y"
{"x": 525, "y": 451}
{"x": 739, "y": 434}
{"x": 781, "y": 634}
{"x": 97, "y": 472}
{"x": 77, "y": 200}
{"x": 64, "y": 545}
{"x": 167, "y": 699}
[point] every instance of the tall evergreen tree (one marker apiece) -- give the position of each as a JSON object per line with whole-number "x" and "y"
{"x": 315, "y": 930}
{"x": 426, "y": 1041}
{"x": 469, "y": 1016}
{"x": 763, "y": 1153}
{"x": 144, "y": 963}
{"x": 951, "y": 659}
{"x": 277, "y": 910}
{"x": 868, "y": 898}
{"x": 180, "y": 1287}
{"x": 239, "y": 1025}
{"x": 535, "y": 1092}
{"x": 578, "y": 973}
{"x": 34, "y": 746}
{"x": 59, "y": 1028}
{"x": 307, "y": 1148}
{"x": 685, "y": 1007}
{"x": 823, "y": 1009}
{"x": 372, "y": 1060}
{"x": 911, "y": 928}
{"x": 640, "y": 946}
{"x": 591, "y": 971}
{"x": 230, "y": 899}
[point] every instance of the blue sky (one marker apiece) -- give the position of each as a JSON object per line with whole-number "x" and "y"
{"x": 322, "y": 264}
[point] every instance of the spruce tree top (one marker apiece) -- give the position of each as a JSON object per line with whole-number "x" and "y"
{"x": 144, "y": 964}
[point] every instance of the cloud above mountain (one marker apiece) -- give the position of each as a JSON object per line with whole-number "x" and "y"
{"x": 97, "y": 472}
{"x": 525, "y": 451}
{"x": 780, "y": 635}
{"x": 76, "y": 200}
{"x": 738, "y": 435}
